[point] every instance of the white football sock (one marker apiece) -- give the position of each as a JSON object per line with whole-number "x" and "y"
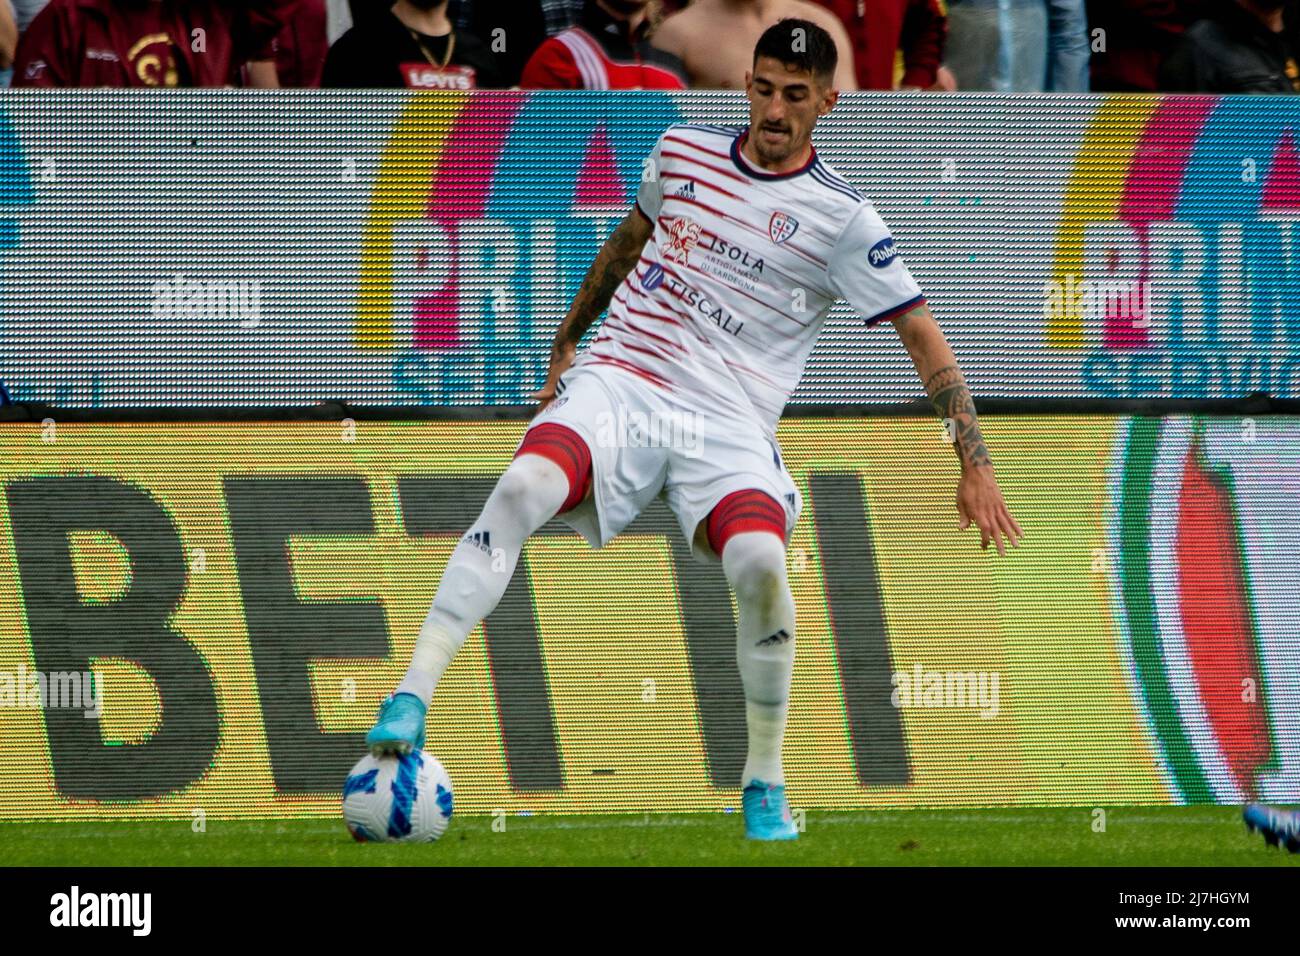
{"x": 526, "y": 496}
{"x": 754, "y": 562}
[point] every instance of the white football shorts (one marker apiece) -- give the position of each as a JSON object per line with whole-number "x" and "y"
{"x": 646, "y": 443}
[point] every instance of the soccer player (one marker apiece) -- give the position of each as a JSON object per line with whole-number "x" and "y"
{"x": 717, "y": 284}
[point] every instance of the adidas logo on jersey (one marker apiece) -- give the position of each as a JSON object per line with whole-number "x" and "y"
{"x": 687, "y": 191}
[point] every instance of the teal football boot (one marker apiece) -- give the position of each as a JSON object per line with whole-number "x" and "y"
{"x": 767, "y": 814}
{"x": 399, "y": 727}
{"x": 1279, "y": 827}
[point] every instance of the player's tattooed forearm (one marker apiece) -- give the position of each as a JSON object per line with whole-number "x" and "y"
{"x": 953, "y": 401}
{"x": 902, "y": 320}
{"x": 617, "y": 257}
{"x": 946, "y": 377}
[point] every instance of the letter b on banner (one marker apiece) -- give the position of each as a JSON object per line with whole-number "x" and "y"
{"x": 66, "y": 632}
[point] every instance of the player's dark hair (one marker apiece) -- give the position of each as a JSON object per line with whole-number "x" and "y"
{"x": 801, "y": 44}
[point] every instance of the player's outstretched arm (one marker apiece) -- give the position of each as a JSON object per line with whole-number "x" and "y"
{"x": 979, "y": 498}
{"x": 617, "y": 257}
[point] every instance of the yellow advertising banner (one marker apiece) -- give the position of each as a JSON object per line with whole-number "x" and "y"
{"x": 236, "y": 599}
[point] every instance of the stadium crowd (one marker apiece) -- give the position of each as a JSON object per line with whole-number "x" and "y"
{"x": 1209, "y": 46}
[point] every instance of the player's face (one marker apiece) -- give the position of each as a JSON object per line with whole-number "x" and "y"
{"x": 784, "y": 105}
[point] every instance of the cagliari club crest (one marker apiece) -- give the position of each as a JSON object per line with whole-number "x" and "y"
{"x": 782, "y": 226}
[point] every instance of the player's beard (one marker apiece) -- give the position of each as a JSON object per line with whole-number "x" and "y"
{"x": 775, "y": 154}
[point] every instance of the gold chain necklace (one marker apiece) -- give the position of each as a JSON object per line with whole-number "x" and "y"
{"x": 451, "y": 46}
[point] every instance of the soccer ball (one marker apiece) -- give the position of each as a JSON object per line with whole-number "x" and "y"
{"x": 397, "y": 798}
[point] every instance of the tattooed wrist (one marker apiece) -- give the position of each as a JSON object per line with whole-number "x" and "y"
{"x": 952, "y": 400}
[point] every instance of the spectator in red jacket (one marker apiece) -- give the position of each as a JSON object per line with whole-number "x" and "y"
{"x": 881, "y": 29}
{"x": 525, "y": 25}
{"x": 607, "y": 50}
{"x": 143, "y": 43}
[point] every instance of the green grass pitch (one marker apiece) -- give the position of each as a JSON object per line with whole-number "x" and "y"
{"x": 1134, "y": 836}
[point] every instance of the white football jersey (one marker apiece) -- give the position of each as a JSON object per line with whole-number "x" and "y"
{"x": 740, "y": 273}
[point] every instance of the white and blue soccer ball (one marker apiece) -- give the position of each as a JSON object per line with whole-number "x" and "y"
{"x": 397, "y": 798}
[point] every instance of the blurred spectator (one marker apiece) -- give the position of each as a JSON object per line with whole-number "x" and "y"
{"x": 521, "y": 26}
{"x": 555, "y": 16}
{"x": 1250, "y": 46}
{"x": 25, "y": 12}
{"x": 1131, "y": 38}
{"x": 144, "y": 42}
{"x": 367, "y": 11}
{"x": 525, "y": 25}
{"x": 516, "y": 30}
{"x": 8, "y": 36}
{"x": 413, "y": 45}
{"x": 608, "y": 49}
{"x": 716, "y": 38}
{"x": 301, "y": 44}
{"x": 254, "y": 26}
{"x": 339, "y": 18}
{"x": 881, "y": 30}
{"x": 1020, "y": 46}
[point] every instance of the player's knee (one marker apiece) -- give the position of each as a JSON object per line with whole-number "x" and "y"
{"x": 513, "y": 487}
{"x": 754, "y": 562}
{"x": 531, "y": 490}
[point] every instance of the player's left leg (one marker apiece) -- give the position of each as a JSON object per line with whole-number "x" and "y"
{"x": 529, "y": 492}
{"x": 747, "y": 529}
